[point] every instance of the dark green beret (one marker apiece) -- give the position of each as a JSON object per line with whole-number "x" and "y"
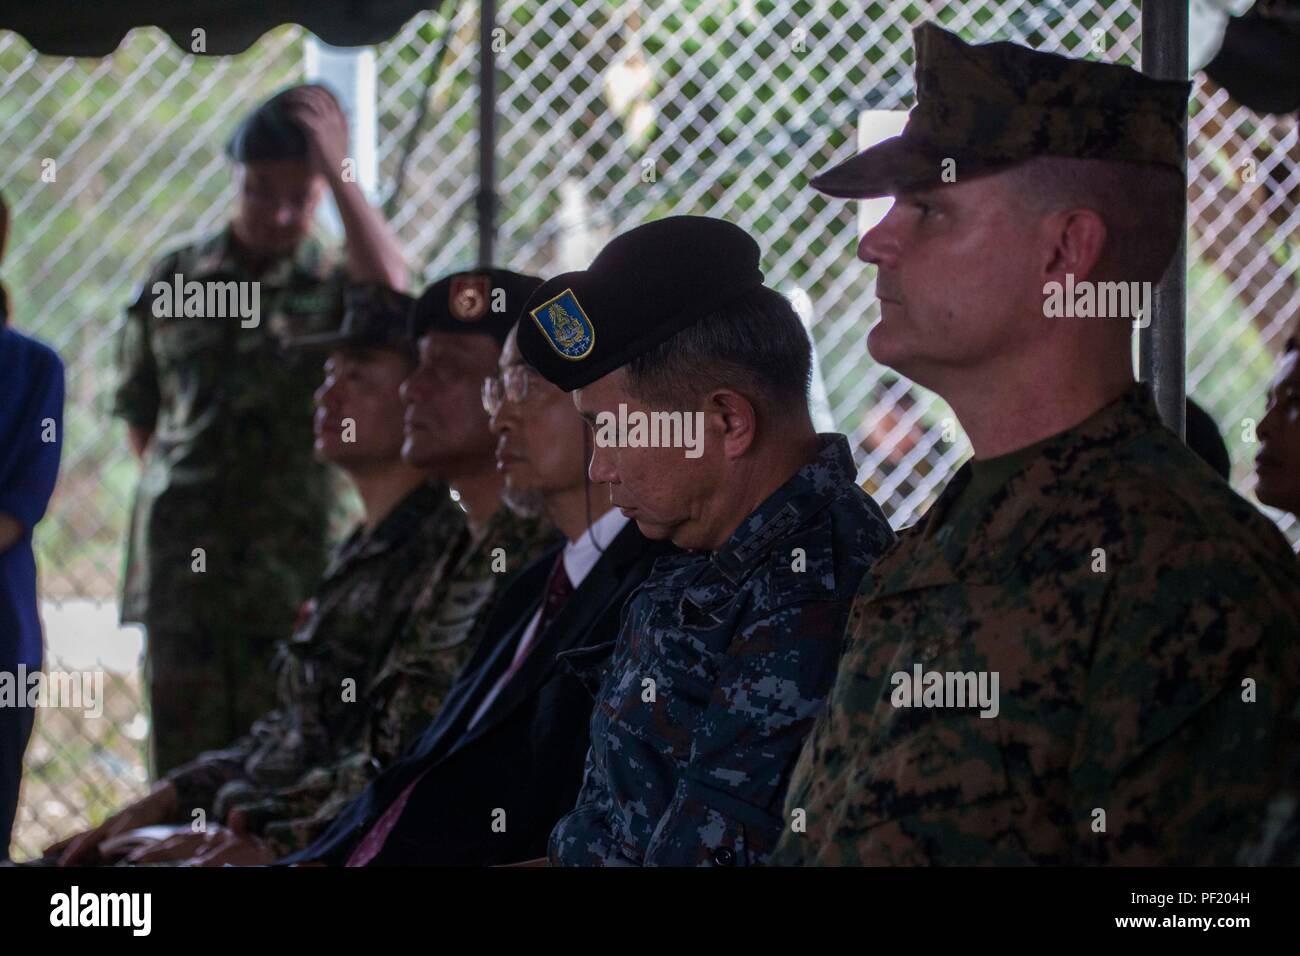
{"x": 268, "y": 133}
{"x": 481, "y": 301}
{"x": 373, "y": 315}
{"x": 996, "y": 104}
{"x": 644, "y": 287}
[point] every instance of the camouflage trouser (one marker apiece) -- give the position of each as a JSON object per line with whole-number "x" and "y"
{"x": 207, "y": 684}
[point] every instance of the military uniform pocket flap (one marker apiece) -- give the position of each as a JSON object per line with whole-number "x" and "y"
{"x": 178, "y": 339}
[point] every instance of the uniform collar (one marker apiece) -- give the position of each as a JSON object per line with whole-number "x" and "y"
{"x": 404, "y": 520}
{"x": 1025, "y": 503}
{"x": 507, "y": 529}
{"x": 309, "y": 261}
{"x": 809, "y": 490}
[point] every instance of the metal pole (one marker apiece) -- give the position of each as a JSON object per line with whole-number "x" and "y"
{"x": 487, "y": 100}
{"x": 1162, "y": 348}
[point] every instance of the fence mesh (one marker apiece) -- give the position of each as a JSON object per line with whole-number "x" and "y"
{"x": 608, "y": 114}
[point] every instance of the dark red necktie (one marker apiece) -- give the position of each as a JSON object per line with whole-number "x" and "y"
{"x": 558, "y": 591}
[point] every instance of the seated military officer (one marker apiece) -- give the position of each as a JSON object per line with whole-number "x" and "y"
{"x": 1085, "y": 651}
{"x": 694, "y": 378}
{"x": 409, "y": 521}
{"x": 503, "y": 760}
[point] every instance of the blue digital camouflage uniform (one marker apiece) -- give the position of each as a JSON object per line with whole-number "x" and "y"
{"x": 740, "y": 645}
{"x": 1144, "y": 624}
{"x": 229, "y": 471}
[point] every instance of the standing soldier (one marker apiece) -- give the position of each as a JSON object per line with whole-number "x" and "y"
{"x": 1085, "y": 651}
{"x": 694, "y": 375}
{"x": 229, "y": 528}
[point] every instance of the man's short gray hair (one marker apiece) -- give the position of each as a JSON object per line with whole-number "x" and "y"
{"x": 1142, "y": 204}
{"x": 755, "y": 344}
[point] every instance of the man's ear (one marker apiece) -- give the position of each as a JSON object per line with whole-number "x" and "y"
{"x": 737, "y": 417}
{"x": 1076, "y": 239}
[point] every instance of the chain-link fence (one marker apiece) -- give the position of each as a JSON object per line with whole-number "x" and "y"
{"x": 609, "y": 114}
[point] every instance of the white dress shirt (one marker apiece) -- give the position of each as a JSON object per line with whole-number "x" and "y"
{"x": 579, "y": 558}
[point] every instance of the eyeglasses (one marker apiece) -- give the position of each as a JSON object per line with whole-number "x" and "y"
{"x": 512, "y": 385}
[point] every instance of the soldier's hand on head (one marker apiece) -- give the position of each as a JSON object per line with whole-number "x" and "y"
{"x": 318, "y": 114}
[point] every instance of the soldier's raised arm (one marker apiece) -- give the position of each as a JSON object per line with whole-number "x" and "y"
{"x": 373, "y": 254}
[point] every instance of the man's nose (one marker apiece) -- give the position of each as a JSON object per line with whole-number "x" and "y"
{"x": 1264, "y": 430}
{"x": 880, "y": 245}
{"x": 502, "y": 421}
{"x": 327, "y": 395}
{"x": 602, "y": 469}
{"x": 411, "y": 389}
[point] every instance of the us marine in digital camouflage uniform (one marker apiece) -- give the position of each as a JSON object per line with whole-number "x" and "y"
{"x": 221, "y": 414}
{"x": 1140, "y": 618}
{"x": 461, "y": 323}
{"x": 359, "y": 605}
{"x": 725, "y": 653}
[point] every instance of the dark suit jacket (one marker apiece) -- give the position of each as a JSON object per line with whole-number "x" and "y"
{"x": 525, "y": 757}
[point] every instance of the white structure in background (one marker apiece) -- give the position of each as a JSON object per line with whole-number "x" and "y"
{"x": 81, "y": 635}
{"x": 1206, "y": 22}
{"x": 875, "y": 126}
{"x": 350, "y": 73}
{"x": 577, "y": 243}
{"x": 819, "y": 399}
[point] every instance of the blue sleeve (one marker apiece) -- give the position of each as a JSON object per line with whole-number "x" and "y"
{"x": 768, "y": 693}
{"x": 582, "y": 837}
{"x": 33, "y": 467}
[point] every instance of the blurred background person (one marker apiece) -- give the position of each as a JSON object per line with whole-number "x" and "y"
{"x": 229, "y": 530}
{"x": 31, "y": 437}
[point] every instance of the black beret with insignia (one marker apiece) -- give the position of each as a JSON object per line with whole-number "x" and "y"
{"x": 990, "y": 105}
{"x": 481, "y": 301}
{"x": 644, "y": 287}
{"x": 373, "y": 315}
